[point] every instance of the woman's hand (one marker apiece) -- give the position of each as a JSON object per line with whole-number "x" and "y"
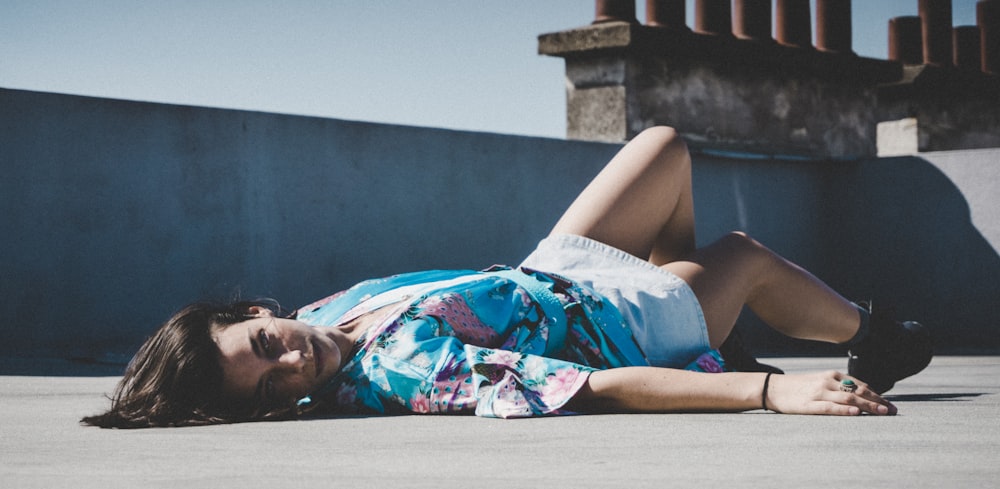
{"x": 820, "y": 393}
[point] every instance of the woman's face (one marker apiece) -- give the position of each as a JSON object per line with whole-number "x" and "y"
{"x": 271, "y": 362}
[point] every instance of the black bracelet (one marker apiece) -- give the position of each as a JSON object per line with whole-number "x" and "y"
{"x": 763, "y": 392}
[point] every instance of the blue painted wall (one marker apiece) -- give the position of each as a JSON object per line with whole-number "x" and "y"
{"x": 116, "y": 213}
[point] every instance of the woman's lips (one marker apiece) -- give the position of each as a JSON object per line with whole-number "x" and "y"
{"x": 317, "y": 357}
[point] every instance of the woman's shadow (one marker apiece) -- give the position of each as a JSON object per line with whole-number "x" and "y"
{"x": 938, "y": 397}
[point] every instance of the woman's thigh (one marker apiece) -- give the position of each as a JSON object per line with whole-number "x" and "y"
{"x": 722, "y": 276}
{"x": 640, "y": 199}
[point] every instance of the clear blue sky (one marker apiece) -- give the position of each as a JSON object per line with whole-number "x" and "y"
{"x": 462, "y": 64}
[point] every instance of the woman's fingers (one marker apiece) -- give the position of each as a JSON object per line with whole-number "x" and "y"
{"x": 862, "y": 397}
{"x": 838, "y": 409}
{"x": 822, "y": 393}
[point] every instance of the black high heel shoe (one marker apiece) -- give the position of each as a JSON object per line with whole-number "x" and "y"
{"x": 892, "y": 351}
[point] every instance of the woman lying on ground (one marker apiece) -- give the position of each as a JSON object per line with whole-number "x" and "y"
{"x": 616, "y": 311}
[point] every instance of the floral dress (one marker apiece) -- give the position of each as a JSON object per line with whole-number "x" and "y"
{"x": 497, "y": 343}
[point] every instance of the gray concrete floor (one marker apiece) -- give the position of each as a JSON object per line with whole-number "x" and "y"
{"x": 946, "y": 435}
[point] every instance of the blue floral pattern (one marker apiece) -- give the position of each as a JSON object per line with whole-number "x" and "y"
{"x": 472, "y": 342}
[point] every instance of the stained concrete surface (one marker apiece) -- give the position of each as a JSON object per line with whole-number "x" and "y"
{"x": 946, "y": 435}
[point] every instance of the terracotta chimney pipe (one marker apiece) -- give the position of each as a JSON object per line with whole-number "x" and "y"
{"x": 713, "y": 17}
{"x": 752, "y": 20}
{"x": 671, "y": 14}
{"x": 615, "y": 10}
{"x": 966, "y": 47}
{"x": 833, "y": 26}
{"x": 905, "y": 43}
{"x": 935, "y": 17}
{"x": 793, "y": 24}
{"x": 988, "y": 18}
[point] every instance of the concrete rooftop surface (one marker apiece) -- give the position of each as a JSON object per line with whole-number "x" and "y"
{"x": 946, "y": 435}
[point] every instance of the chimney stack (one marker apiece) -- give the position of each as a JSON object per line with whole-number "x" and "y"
{"x": 988, "y": 19}
{"x": 614, "y": 10}
{"x": 727, "y": 83}
{"x": 833, "y": 26}
{"x": 752, "y": 20}
{"x": 793, "y": 24}
{"x": 905, "y": 40}
{"x": 935, "y": 19}
{"x": 713, "y": 17}
{"x": 967, "y": 46}
{"x": 668, "y": 14}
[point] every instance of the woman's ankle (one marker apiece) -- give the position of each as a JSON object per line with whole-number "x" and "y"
{"x": 864, "y": 312}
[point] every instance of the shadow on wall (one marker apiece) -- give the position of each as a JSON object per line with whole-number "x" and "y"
{"x": 899, "y": 232}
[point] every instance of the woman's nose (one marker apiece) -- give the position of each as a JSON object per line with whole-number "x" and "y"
{"x": 292, "y": 359}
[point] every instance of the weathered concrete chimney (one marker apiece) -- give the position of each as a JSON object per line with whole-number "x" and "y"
{"x": 947, "y": 99}
{"x": 726, "y": 84}
{"x": 741, "y": 92}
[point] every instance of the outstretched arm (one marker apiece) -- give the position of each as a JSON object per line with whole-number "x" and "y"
{"x": 655, "y": 390}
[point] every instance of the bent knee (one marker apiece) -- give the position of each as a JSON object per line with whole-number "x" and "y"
{"x": 660, "y": 131}
{"x": 742, "y": 242}
{"x": 738, "y": 238}
{"x": 666, "y": 135}
{"x": 670, "y": 148}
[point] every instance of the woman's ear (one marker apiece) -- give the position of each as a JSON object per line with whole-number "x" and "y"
{"x": 259, "y": 312}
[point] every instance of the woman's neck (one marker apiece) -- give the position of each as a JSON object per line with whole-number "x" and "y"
{"x": 353, "y": 329}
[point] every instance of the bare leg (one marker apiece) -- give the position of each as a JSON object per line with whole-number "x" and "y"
{"x": 641, "y": 202}
{"x": 737, "y": 271}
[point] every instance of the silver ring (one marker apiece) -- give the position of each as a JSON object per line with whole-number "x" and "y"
{"x": 848, "y": 385}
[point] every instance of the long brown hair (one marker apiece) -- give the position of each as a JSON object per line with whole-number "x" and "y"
{"x": 175, "y": 378}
